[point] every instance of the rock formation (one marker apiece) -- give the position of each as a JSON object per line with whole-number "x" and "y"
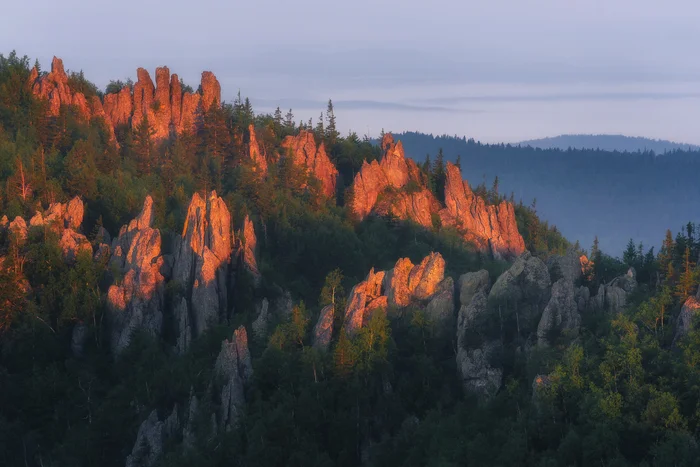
{"x": 473, "y": 364}
{"x": 561, "y": 315}
{"x": 689, "y": 313}
{"x": 255, "y": 153}
{"x": 323, "y": 331}
{"x": 365, "y": 297}
{"x": 568, "y": 266}
{"x": 202, "y": 265}
{"x": 491, "y": 228}
{"x": 151, "y": 439}
{"x": 234, "y": 370}
{"x": 163, "y": 104}
{"x": 136, "y": 302}
{"x": 395, "y": 187}
{"x": 612, "y": 297}
{"x": 423, "y": 285}
{"x": 304, "y": 152}
{"x": 247, "y": 247}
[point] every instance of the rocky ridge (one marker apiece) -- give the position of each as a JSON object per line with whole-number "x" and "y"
{"x": 395, "y": 187}
{"x": 164, "y": 105}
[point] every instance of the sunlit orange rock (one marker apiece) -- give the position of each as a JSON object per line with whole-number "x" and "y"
{"x": 305, "y": 153}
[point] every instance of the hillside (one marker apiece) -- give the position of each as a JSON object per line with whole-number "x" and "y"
{"x": 618, "y": 143}
{"x": 586, "y": 193}
{"x": 185, "y": 282}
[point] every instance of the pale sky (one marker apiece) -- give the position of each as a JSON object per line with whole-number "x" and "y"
{"x": 493, "y": 70}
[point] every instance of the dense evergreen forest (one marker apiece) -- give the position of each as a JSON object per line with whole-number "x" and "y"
{"x": 623, "y": 389}
{"x": 586, "y": 192}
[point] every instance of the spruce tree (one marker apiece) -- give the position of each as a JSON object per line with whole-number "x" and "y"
{"x": 331, "y": 131}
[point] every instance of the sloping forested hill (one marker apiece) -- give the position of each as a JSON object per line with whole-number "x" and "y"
{"x": 619, "y": 143}
{"x": 585, "y": 192}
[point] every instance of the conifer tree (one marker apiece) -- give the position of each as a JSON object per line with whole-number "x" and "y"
{"x": 688, "y": 279}
{"x": 331, "y": 131}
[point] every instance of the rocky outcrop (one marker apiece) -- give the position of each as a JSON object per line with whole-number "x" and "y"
{"x": 55, "y": 89}
{"x": 18, "y": 229}
{"x": 260, "y": 325}
{"x": 151, "y": 439}
{"x": 478, "y": 376}
{"x": 323, "y": 331}
{"x": 247, "y": 248}
{"x": 72, "y": 244}
{"x": 490, "y": 227}
{"x": 304, "y": 152}
{"x": 162, "y": 104}
{"x": 477, "y": 373}
{"x": 612, "y": 297}
{"x": 136, "y": 301}
{"x": 689, "y": 313}
{"x": 233, "y": 369}
{"x": 440, "y": 310}
{"x": 202, "y": 262}
{"x": 568, "y": 266}
{"x": 406, "y": 282}
{"x": 560, "y": 317}
{"x": 257, "y": 157}
{"x": 393, "y": 187}
{"x": 364, "y": 298}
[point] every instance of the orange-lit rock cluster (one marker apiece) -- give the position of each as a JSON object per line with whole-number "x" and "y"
{"x": 395, "y": 187}
{"x": 166, "y": 107}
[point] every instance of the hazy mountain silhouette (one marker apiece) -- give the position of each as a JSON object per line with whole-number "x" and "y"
{"x": 608, "y": 143}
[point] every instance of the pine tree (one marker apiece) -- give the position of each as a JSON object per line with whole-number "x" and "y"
{"x": 143, "y": 145}
{"x": 320, "y": 131}
{"x": 439, "y": 176}
{"x": 344, "y": 355}
{"x": 289, "y": 121}
{"x": 688, "y": 279}
{"x": 666, "y": 253}
{"x": 331, "y": 131}
{"x": 629, "y": 256}
{"x": 458, "y": 162}
{"x": 493, "y": 194}
{"x": 278, "y": 120}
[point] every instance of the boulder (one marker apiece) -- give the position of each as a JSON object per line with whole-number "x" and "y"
{"x": 151, "y": 439}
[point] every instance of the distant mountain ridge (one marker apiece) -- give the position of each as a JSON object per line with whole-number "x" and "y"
{"x": 619, "y": 143}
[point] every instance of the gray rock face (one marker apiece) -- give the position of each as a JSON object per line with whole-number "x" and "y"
{"x": 441, "y": 307}
{"x": 469, "y": 316}
{"x": 561, "y": 315}
{"x": 233, "y": 367}
{"x": 136, "y": 302}
{"x": 477, "y": 374}
{"x": 566, "y": 267}
{"x": 612, "y": 297}
{"x": 323, "y": 331}
{"x": 150, "y": 439}
{"x": 260, "y": 324}
{"x": 525, "y": 288}
{"x": 472, "y": 282}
